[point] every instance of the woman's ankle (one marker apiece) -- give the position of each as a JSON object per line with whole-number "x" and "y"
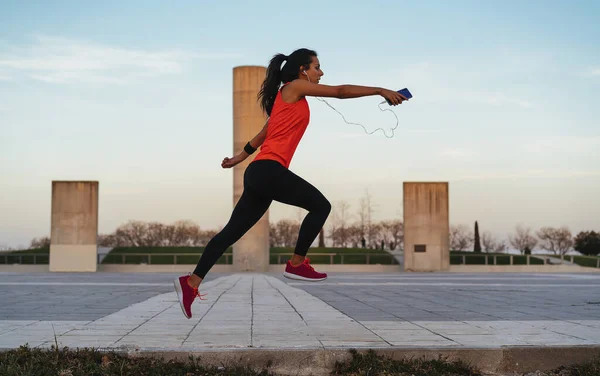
{"x": 297, "y": 260}
{"x": 194, "y": 281}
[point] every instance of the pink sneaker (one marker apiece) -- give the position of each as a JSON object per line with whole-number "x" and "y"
{"x": 186, "y": 294}
{"x": 303, "y": 272}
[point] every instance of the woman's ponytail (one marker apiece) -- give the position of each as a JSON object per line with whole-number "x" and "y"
{"x": 270, "y": 85}
{"x": 297, "y": 60}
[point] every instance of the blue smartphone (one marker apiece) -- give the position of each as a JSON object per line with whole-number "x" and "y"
{"x": 404, "y": 92}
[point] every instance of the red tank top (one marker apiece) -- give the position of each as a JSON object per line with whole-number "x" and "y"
{"x": 287, "y": 125}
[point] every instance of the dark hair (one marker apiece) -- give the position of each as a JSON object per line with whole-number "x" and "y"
{"x": 275, "y": 75}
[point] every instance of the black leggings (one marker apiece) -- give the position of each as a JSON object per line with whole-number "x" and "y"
{"x": 265, "y": 181}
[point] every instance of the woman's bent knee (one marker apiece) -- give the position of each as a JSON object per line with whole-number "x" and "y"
{"x": 324, "y": 207}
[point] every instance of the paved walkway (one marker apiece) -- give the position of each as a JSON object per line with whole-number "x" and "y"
{"x": 140, "y": 311}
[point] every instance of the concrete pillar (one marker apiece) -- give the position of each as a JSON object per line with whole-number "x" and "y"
{"x": 426, "y": 227}
{"x": 251, "y": 252}
{"x": 74, "y": 226}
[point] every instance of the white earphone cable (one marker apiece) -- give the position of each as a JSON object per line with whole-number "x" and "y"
{"x": 367, "y": 132}
{"x": 350, "y": 123}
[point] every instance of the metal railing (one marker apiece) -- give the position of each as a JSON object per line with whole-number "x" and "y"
{"x": 539, "y": 259}
{"x": 343, "y": 257}
{"x": 148, "y": 257}
{"x": 572, "y": 258}
{"x": 494, "y": 258}
{"x": 367, "y": 258}
{"x": 8, "y": 256}
{"x": 366, "y": 255}
{"x": 175, "y": 258}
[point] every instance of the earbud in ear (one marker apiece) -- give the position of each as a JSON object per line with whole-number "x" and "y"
{"x": 306, "y": 76}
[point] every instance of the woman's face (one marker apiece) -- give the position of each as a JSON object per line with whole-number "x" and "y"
{"x": 314, "y": 72}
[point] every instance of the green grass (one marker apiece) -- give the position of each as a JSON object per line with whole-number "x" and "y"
{"x": 42, "y": 256}
{"x": 589, "y": 261}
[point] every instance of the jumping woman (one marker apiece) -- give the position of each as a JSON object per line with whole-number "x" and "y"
{"x": 268, "y": 177}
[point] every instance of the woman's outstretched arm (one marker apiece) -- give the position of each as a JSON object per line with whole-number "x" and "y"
{"x": 300, "y": 88}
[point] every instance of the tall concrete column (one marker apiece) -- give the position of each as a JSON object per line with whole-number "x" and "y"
{"x": 426, "y": 227}
{"x": 251, "y": 252}
{"x": 74, "y": 226}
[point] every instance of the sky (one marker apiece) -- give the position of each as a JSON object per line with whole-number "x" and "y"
{"x": 137, "y": 95}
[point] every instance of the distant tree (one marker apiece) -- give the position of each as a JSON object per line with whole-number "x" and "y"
{"x": 284, "y": 233}
{"x": 365, "y": 215}
{"x": 132, "y": 234}
{"x": 588, "y": 243}
{"x": 500, "y": 246}
{"x": 42, "y": 242}
{"x": 523, "y": 239}
{"x": 107, "y": 240}
{"x": 491, "y": 244}
{"x": 393, "y": 232}
{"x": 339, "y": 224}
{"x": 354, "y": 235}
{"x": 557, "y": 240}
{"x": 204, "y": 237}
{"x": 460, "y": 238}
{"x": 322, "y": 238}
{"x": 5, "y": 247}
{"x": 181, "y": 233}
{"x": 376, "y": 234}
{"x": 273, "y": 236}
{"x": 477, "y": 245}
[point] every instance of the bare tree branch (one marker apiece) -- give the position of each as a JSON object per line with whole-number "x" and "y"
{"x": 557, "y": 240}
{"x": 523, "y": 240}
{"x": 491, "y": 244}
{"x": 461, "y": 238}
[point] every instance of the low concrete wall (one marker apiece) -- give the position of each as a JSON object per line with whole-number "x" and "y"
{"x": 521, "y": 269}
{"x": 321, "y": 362}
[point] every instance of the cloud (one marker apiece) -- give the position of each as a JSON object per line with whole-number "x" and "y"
{"x": 62, "y": 61}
